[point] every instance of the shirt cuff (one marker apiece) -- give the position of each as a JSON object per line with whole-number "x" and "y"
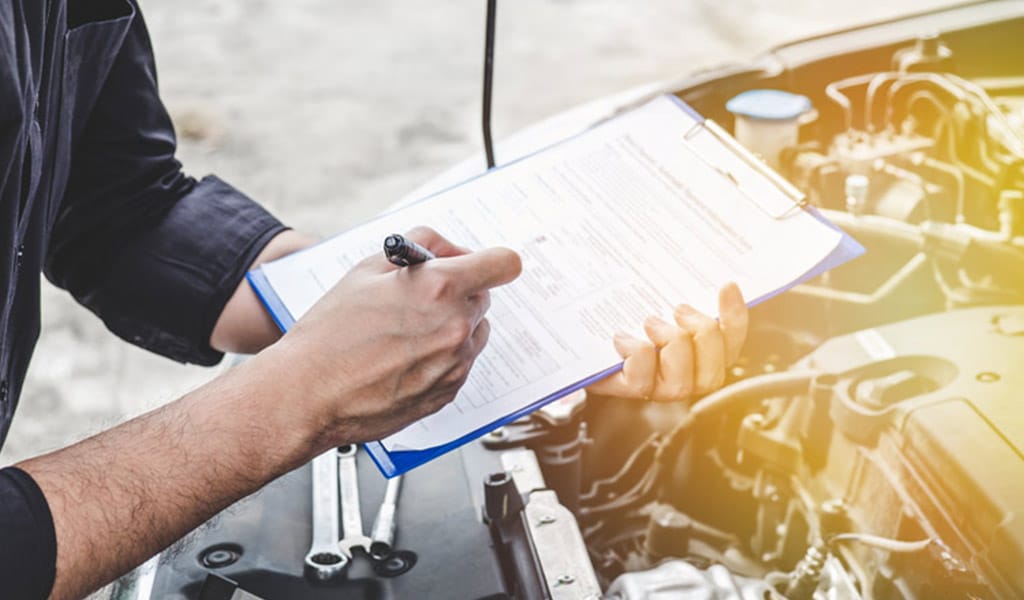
{"x": 28, "y": 552}
{"x": 172, "y": 281}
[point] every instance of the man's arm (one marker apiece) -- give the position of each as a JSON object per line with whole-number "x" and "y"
{"x": 127, "y": 493}
{"x": 244, "y": 326}
{"x": 360, "y": 365}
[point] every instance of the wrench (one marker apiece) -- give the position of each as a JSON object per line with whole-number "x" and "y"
{"x": 324, "y": 560}
{"x": 351, "y": 516}
{"x": 383, "y": 532}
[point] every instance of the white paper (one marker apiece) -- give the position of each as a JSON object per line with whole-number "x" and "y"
{"x": 619, "y": 223}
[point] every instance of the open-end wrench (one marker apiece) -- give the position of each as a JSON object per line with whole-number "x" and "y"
{"x": 383, "y": 532}
{"x": 324, "y": 560}
{"x": 351, "y": 516}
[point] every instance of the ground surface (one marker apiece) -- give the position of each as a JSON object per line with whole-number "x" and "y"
{"x": 327, "y": 111}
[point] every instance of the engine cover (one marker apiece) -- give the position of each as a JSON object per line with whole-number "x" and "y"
{"x": 929, "y": 415}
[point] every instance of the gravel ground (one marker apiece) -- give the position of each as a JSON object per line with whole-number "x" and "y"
{"x": 328, "y": 111}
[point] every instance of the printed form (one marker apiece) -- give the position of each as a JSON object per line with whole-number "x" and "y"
{"x": 627, "y": 220}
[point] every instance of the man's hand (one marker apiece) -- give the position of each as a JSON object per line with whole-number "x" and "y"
{"x": 388, "y": 345}
{"x": 383, "y": 348}
{"x": 682, "y": 360}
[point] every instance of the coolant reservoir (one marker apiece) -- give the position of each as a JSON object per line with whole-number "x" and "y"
{"x": 768, "y": 121}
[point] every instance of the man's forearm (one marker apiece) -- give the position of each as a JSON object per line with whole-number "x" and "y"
{"x": 125, "y": 494}
{"x": 244, "y": 325}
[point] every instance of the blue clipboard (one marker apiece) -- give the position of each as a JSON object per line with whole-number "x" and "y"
{"x": 392, "y": 463}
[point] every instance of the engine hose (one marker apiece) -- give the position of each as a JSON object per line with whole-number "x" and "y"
{"x": 754, "y": 389}
{"x": 768, "y": 385}
{"x": 883, "y": 543}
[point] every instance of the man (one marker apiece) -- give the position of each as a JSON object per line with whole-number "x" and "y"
{"x": 90, "y": 193}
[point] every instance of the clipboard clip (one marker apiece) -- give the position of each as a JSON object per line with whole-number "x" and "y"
{"x": 798, "y": 199}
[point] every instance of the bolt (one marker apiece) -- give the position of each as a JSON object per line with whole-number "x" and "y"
{"x": 565, "y": 579}
{"x": 987, "y": 377}
{"x": 218, "y": 557}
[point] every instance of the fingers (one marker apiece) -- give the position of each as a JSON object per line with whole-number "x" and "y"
{"x": 478, "y": 305}
{"x": 692, "y": 353}
{"x": 708, "y": 349}
{"x": 424, "y": 236}
{"x": 458, "y": 373}
{"x": 482, "y": 270}
{"x": 434, "y": 241}
{"x": 733, "y": 319}
{"x": 636, "y": 379}
{"x": 478, "y": 340}
{"x": 675, "y": 378}
{"x": 469, "y": 272}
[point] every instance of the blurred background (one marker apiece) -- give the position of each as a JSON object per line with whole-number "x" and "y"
{"x": 328, "y": 111}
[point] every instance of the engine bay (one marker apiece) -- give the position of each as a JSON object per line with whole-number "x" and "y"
{"x": 869, "y": 444}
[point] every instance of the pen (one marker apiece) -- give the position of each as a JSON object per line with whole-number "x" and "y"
{"x": 402, "y": 252}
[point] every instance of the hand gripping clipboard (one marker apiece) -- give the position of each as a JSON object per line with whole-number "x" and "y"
{"x": 392, "y": 463}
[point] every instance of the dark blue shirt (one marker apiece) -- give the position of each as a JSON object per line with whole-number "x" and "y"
{"x": 91, "y": 194}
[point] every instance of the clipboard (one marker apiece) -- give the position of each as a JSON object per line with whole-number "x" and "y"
{"x": 392, "y": 463}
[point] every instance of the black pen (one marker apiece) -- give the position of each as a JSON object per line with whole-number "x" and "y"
{"x": 402, "y": 252}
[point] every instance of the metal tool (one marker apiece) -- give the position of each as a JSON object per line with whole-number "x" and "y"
{"x": 383, "y": 532}
{"x": 324, "y": 560}
{"x": 351, "y": 515}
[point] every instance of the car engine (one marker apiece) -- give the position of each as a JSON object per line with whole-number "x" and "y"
{"x": 869, "y": 444}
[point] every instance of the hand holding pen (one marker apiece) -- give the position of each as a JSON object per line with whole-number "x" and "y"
{"x": 403, "y": 252}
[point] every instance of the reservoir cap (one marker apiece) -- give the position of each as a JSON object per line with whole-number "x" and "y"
{"x": 768, "y": 105}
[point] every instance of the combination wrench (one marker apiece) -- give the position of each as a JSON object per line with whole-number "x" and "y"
{"x": 324, "y": 560}
{"x": 351, "y": 515}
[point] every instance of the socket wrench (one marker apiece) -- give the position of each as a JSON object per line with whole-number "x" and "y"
{"x": 383, "y": 532}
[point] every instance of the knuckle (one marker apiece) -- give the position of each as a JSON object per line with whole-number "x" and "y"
{"x": 438, "y": 284}
{"x": 704, "y": 326}
{"x": 457, "y": 375}
{"x": 681, "y": 391}
{"x": 676, "y": 391}
{"x": 641, "y": 387}
{"x": 662, "y": 393}
{"x": 717, "y": 381}
{"x": 704, "y": 334}
{"x": 457, "y": 333}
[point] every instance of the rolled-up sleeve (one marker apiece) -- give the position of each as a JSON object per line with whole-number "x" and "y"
{"x": 154, "y": 253}
{"x": 28, "y": 551}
